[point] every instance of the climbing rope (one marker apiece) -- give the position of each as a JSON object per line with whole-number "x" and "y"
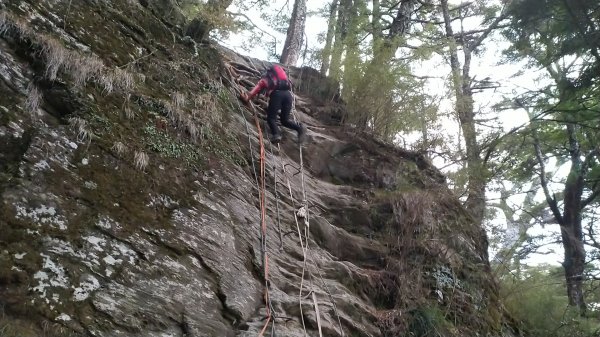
{"x": 303, "y": 243}
{"x": 263, "y": 227}
{"x": 307, "y": 233}
{"x": 276, "y": 193}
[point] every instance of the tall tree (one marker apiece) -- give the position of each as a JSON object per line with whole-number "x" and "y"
{"x": 352, "y": 62}
{"x": 341, "y": 31}
{"x": 295, "y": 34}
{"x": 463, "y": 84}
{"x": 331, "y": 23}
{"x": 563, "y": 38}
{"x": 370, "y": 102}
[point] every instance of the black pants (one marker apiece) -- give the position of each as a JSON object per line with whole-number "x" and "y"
{"x": 280, "y": 100}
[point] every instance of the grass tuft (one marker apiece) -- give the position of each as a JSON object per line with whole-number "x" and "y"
{"x": 79, "y": 126}
{"x": 33, "y": 100}
{"x": 192, "y": 129}
{"x": 119, "y": 148}
{"x": 85, "y": 68}
{"x": 141, "y": 160}
{"x": 56, "y": 56}
{"x": 178, "y": 100}
{"x": 123, "y": 79}
{"x": 4, "y": 24}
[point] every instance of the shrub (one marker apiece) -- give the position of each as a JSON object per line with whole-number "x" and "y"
{"x": 537, "y": 300}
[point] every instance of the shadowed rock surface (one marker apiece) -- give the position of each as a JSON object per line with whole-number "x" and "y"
{"x": 129, "y": 206}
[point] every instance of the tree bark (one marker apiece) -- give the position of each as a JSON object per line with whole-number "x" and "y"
{"x": 571, "y": 229}
{"x": 352, "y": 61}
{"x": 326, "y": 54}
{"x": 570, "y": 218}
{"x": 341, "y": 31}
{"x": 295, "y": 34}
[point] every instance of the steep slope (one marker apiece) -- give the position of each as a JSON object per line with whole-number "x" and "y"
{"x": 130, "y": 206}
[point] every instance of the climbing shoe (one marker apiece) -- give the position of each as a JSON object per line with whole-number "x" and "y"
{"x": 302, "y": 134}
{"x": 275, "y": 139}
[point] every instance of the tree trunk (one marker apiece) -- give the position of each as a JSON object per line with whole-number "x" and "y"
{"x": 329, "y": 38}
{"x": 570, "y": 219}
{"x": 352, "y": 59}
{"x": 574, "y": 261}
{"x": 341, "y": 31}
{"x": 461, "y": 81}
{"x": 199, "y": 29}
{"x": 295, "y": 34}
{"x": 376, "y": 27}
{"x": 571, "y": 229}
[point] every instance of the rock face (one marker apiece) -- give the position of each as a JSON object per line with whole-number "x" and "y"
{"x": 129, "y": 204}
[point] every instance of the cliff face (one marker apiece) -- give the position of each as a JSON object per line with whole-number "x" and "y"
{"x": 129, "y": 205}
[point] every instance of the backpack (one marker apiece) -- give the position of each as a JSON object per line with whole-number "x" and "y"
{"x": 277, "y": 79}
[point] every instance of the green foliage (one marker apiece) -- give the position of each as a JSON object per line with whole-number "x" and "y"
{"x": 211, "y": 15}
{"x": 161, "y": 142}
{"x": 538, "y": 302}
{"x": 556, "y": 37}
{"x": 428, "y": 321}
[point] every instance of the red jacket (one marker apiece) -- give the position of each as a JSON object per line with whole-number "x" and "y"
{"x": 264, "y": 83}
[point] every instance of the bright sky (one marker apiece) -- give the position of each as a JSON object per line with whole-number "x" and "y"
{"x": 487, "y": 64}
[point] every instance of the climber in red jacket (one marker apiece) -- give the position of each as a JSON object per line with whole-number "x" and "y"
{"x": 277, "y": 87}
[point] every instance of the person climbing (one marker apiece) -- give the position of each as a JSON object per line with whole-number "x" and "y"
{"x": 276, "y": 85}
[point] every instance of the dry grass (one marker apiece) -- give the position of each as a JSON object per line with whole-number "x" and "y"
{"x": 127, "y": 111}
{"x": 206, "y": 102}
{"x": 123, "y": 79}
{"x": 119, "y": 148}
{"x": 33, "y": 100}
{"x": 178, "y": 100}
{"x": 140, "y": 160}
{"x": 107, "y": 81}
{"x": 4, "y": 24}
{"x": 79, "y": 126}
{"x": 59, "y": 59}
{"x": 85, "y": 68}
{"x": 192, "y": 129}
{"x": 56, "y": 57}
{"x": 174, "y": 114}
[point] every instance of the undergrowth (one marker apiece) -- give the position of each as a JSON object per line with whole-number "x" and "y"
{"x": 162, "y": 143}
{"x": 433, "y": 279}
{"x": 536, "y": 298}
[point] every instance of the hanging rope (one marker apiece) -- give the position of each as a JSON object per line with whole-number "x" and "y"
{"x": 303, "y": 243}
{"x": 276, "y": 193}
{"x": 263, "y": 222}
{"x": 307, "y": 233}
{"x": 306, "y": 229}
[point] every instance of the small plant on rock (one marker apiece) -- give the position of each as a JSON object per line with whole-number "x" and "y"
{"x": 119, "y": 148}
{"x": 85, "y": 68}
{"x": 79, "y": 125}
{"x": 33, "y": 100}
{"x": 141, "y": 160}
{"x": 56, "y": 56}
